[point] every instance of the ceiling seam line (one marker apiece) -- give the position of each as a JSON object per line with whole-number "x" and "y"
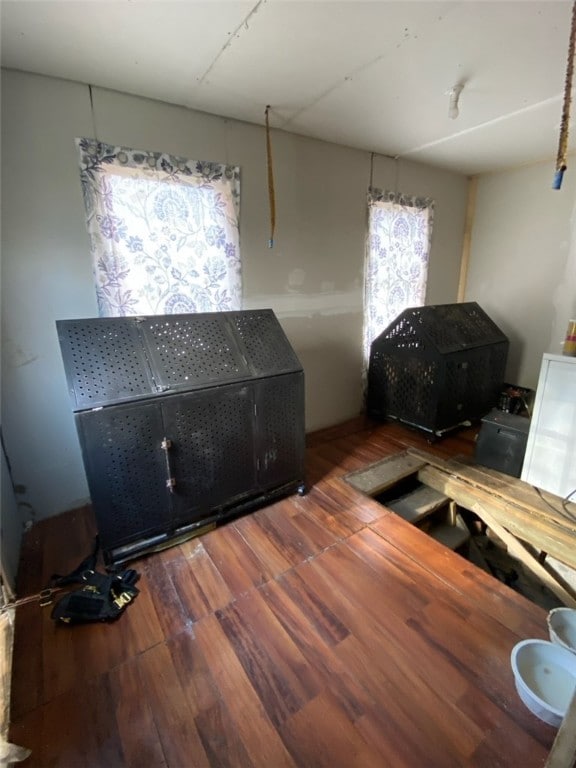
{"x": 228, "y": 43}
{"x": 337, "y": 85}
{"x": 486, "y": 124}
{"x": 355, "y": 72}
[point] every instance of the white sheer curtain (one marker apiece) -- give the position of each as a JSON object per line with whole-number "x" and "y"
{"x": 396, "y": 269}
{"x": 163, "y": 231}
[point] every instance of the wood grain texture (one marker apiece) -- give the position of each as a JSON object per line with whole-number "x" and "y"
{"x": 323, "y": 630}
{"x": 448, "y": 570}
{"x": 249, "y": 716}
{"x": 321, "y": 735}
{"x": 137, "y": 730}
{"x": 163, "y": 690}
{"x": 274, "y": 665}
{"x": 239, "y": 565}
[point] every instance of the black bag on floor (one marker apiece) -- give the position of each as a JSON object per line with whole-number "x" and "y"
{"x": 102, "y": 597}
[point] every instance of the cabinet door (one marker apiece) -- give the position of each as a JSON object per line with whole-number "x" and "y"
{"x": 212, "y": 450}
{"x": 125, "y": 466}
{"x": 550, "y": 461}
{"x": 280, "y": 430}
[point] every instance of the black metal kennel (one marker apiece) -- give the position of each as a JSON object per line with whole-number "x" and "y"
{"x": 183, "y": 420}
{"x": 437, "y": 366}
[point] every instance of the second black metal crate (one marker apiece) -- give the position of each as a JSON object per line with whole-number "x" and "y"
{"x": 437, "y": 366}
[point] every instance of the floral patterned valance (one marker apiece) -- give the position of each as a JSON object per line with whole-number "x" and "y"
{"x": 384, "y": 196}
{"x": 94, "y": 155}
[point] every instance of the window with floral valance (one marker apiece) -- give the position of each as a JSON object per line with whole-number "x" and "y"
{"x": 396, "y": 270}
{"x": 163, "y": 229}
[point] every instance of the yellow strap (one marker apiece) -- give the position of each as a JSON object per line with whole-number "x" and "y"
{"x": 564, "y": 124}
{"x": 271, "y": 196}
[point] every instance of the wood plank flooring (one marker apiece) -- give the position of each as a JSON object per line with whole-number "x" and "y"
{"x": 320, "y": 632}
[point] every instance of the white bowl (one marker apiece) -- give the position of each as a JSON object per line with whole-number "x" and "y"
{"x": 545, "y": 677}
{"x": 562, "y": 627}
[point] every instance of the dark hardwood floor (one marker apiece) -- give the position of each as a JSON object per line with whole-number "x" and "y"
{"x": 320, "y": 632}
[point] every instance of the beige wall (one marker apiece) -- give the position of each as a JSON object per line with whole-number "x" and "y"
{"x": 312, "y": 278}
{"x": 523, "y": 261}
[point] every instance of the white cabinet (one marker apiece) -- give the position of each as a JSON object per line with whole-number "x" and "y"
{"x": 550, "y": 460}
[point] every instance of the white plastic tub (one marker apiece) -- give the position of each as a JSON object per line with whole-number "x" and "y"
{"x": 545, "y": 677}
{"x": 562, "y": 627}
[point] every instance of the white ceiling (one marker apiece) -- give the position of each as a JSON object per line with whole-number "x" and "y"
{"x": 372, "y": 75}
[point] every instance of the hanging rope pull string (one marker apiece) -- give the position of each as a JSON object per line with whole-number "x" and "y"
{"x": 92, "y": 113}
{"x": 564, "y": 124}
{"x": 271, "y": 194}
{"x": 371, "y": 185}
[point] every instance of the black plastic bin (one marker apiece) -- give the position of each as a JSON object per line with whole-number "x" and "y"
{"x": 502, "y": 442}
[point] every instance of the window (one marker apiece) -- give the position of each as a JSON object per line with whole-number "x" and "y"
{"x": 163, "y": 231}
{"x": 399, "y": 232}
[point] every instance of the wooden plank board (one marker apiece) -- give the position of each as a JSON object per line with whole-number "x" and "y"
{"x": 509, "y": 488}
{"x": 540, "y": 530}
{"x": 530, "y": 497}
{"x": 516, "y": 549}
{"x": 384, "y": 474}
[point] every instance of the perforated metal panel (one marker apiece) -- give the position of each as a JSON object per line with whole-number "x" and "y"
{"x": 280, "y": 418}
{"x": 474, "y": 382}
{"x": 445, "y": 327}
{"x": 104, "y": 362}
{"x": 264, "y": 342}
{"x": 208, "y": 387}
{"x": 405, "y": 334}
{"x": 436, "y": 366}
{"x": 126, "y": 471}
{"x": 452, "y": 327}
{"x": 188, "y": 351}
{"x": 114, "y": 360}
{"x": 212, "y": 455}
{"x": 401, "y": 389}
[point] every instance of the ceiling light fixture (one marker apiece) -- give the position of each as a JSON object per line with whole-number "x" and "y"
{"x": 454, "y": 97}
